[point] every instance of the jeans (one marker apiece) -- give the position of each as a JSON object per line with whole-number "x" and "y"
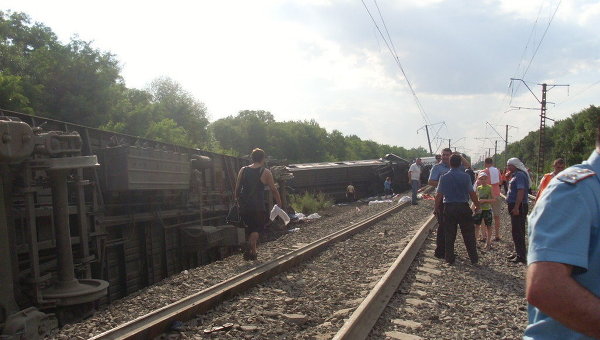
{"x": 415, "y": 186}
{"x": 518, "y": 228}
{"x": 459, "y": 214}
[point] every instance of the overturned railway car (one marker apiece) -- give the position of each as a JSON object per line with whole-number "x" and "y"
{"x": 89, "y": 216}
{"x": 366, "y": 176}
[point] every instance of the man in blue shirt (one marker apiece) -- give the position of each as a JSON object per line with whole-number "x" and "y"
{"x": 563, "y": 278}
{"x": 454, "y": 190}
{"x": 434, "y": 177}
{"x": 516, "y": 198}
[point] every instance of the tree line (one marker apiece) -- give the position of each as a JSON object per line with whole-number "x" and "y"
{"x": 572, "y": 138}
{"x": 76, "y": 82}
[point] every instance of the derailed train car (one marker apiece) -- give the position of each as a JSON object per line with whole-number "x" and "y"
{"x": 366, "y": 176}
{"x": 89, "y": 216}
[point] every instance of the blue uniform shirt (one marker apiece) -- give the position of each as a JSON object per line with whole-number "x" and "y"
{"x": 455, "y": 185}
{"x": 439, "y": 169}
{"x": 387, "y": 185}
{"x": 565, "y": 228}
{"x": 518, "y": 181}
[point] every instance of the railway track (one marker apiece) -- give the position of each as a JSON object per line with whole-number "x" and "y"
{"x": 364, "y": 315}
{"x": 363, "y": 319}
{"x": 160, "y": 320}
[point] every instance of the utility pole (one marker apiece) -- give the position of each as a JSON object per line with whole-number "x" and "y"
{"x": 541, "y": 149}
{"x": 506, "y": 146}
{"x": 426, "y": 126}
{"x": 495, "y": 151}
{"x": 428, "y": 139}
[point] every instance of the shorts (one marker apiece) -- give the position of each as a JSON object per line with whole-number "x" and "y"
{"x": 255, "y": 221}
{"x": 485, "y": 215}
{"x": 496, "y": 205}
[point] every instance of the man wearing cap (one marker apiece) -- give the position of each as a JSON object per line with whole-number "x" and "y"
{"x": 563, "y": 278}
{"x": 516, "y": 198}
{"x": 434, "y": 176}
{"x": 454, "y": 190}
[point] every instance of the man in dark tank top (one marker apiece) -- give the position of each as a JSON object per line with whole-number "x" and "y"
{"x": 250, "y": 197}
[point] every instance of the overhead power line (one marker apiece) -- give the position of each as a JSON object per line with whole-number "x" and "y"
{"x": 541, "y": 39}
{"x": 392, "y": 49}
{"x": 512, "y": 90}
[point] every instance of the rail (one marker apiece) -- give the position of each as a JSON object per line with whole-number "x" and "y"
{"x": 155, "y": 323}
{"x": 365, "y": 316}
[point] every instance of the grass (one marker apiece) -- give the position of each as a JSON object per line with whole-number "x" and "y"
{"x": 309, "y": 203}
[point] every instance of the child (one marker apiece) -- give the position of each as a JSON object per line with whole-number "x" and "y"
{"x": 484, "y": 193}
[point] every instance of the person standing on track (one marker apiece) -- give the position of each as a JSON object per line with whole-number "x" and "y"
{"x": 563, "y": 278}
{"x": 494, "y": 180}
{"x": 516, "y": 198}
{"x": 558, "y": 165}
{"x": 434, "y": 176}
{"x": 414, "y": 176}
{"x": 250, "y": 197}
{"x": 454, "y": 190}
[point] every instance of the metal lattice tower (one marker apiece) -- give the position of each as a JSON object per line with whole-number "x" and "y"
{"x": 541, "y": 148}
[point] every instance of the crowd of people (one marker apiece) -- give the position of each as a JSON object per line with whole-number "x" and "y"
{"x": 563, "y": 274}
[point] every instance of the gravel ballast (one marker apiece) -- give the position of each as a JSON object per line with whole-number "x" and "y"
{"x": 436, "y": 301}
{"x": 312, "y": 300}
{"x": 193, "y": 280}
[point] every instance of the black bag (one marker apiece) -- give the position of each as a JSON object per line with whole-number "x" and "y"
{"x": 233, "y": 217}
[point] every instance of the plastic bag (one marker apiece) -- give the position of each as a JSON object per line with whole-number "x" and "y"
{"x": 277, "y": 211}
{"x": 313, "y": 216}
{"x": 404, "y": 199}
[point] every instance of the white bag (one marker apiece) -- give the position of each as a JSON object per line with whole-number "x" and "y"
{"x": 277, "y": 211}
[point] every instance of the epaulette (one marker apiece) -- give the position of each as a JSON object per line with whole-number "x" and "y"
{"x": 575, "y": 175}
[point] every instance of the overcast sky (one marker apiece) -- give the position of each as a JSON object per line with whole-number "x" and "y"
{"x": 325, "y": 60}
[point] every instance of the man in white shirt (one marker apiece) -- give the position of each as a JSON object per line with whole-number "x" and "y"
{"x": 494, "y": 176}
{"x": 414, "y": 176}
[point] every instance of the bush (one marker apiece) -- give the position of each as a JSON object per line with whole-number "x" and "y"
{"x": 310, "y": 203}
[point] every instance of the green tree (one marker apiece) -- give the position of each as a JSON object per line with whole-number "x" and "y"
{"x": 11, "y": 94}
{"x": 171, "y": 101}
{"x": 72, "y": 82}
{"x": 571, "y": 138}
{"x": 168, "y": 131}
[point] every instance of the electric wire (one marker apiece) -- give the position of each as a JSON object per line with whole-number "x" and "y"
{"x": 397, "y": 60}
{"x": 511, "y": 89}
{"x": 541, "y": 39}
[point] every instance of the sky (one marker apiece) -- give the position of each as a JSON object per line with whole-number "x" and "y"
{"x": 326, "y": 60}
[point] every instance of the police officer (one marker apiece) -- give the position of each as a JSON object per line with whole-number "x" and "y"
{"x": 454, "y": 189}
{"x": 434, "y": 176}
{"x": 563, "y": 278}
